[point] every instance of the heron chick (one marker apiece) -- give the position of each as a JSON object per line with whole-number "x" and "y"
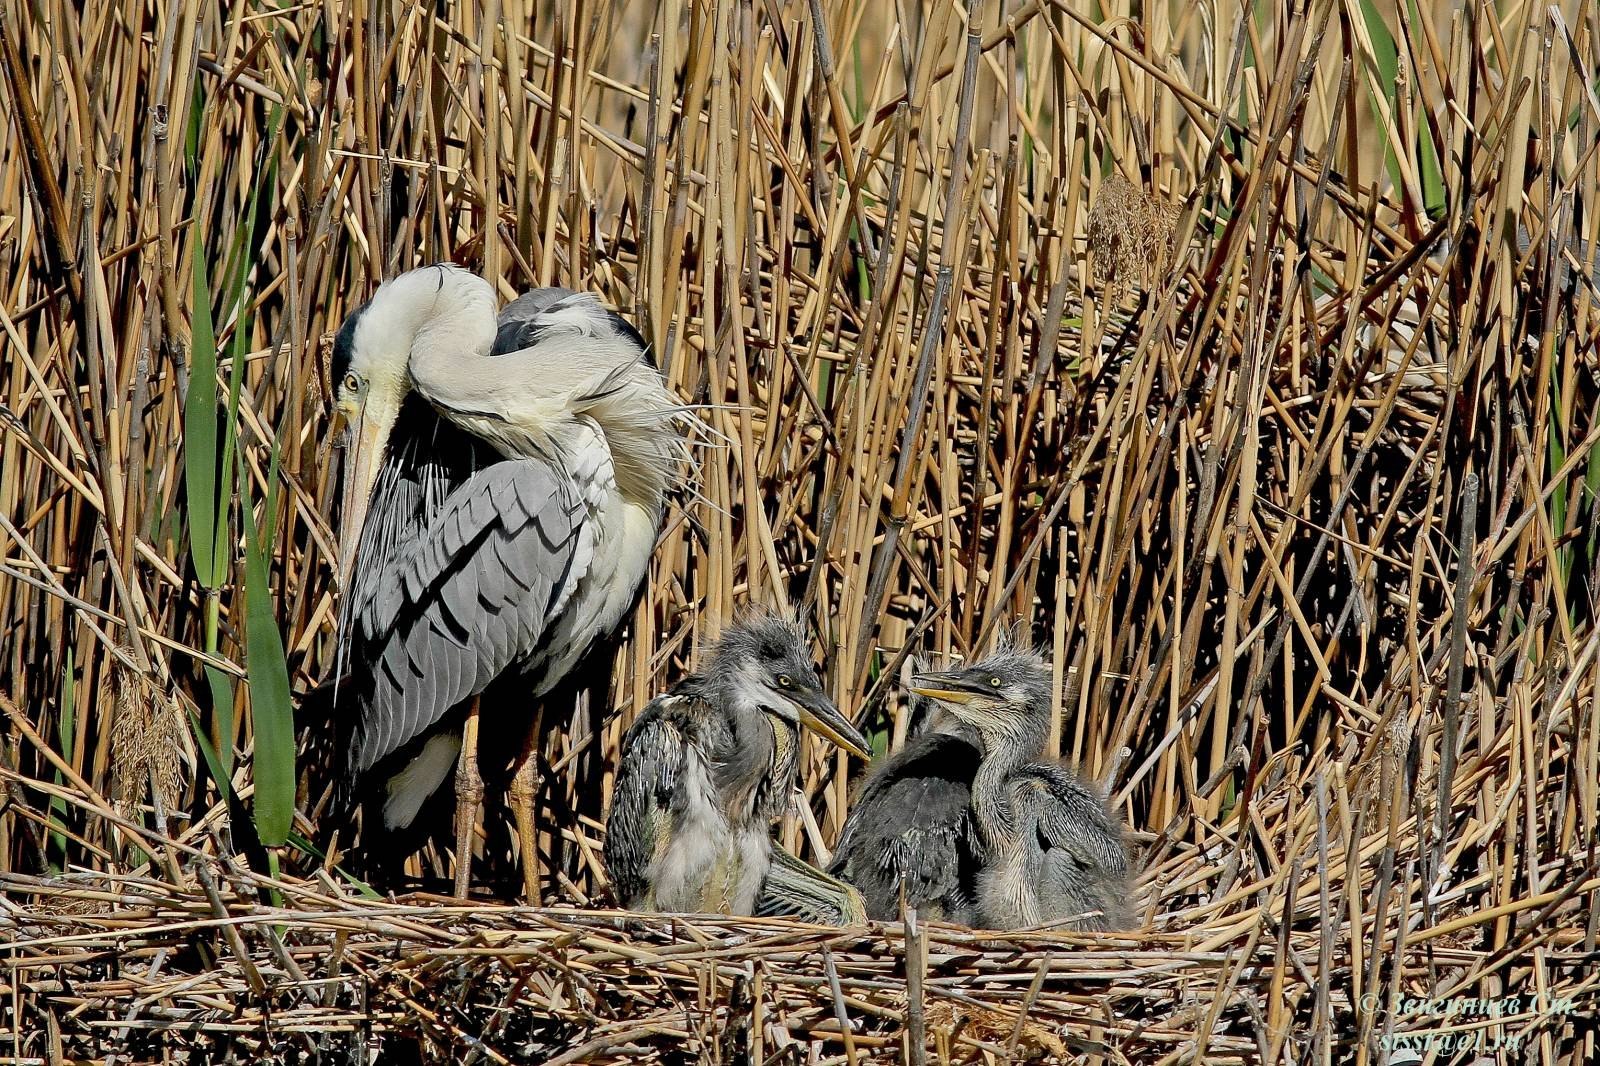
{"x": 909, "y": 832}
{"x": 709, "y": 767}
{"x": 1053, "y": 850}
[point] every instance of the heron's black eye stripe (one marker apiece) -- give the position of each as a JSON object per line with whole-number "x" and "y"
{"x": 344, "y": 344}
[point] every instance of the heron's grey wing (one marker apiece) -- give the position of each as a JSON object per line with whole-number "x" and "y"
{"x": 428, "y": 458}
{"x": 531, "y": 317}
{"x": 912, "y": 824}
{"x": 516, "y": 328}
{"x": 470, "y": 597}
{"x": 643, "y": 798}
{"x": 796, "y": 889}
{"x": 1085, "y": 854}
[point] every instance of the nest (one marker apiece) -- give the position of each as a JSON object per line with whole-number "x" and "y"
{"x": 1309, "y": 527}
{"x": 215, "y": 961}
{"x": 322, "y": 976}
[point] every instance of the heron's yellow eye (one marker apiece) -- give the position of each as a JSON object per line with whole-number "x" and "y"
{"x": 995, "y": 681}
{"x": 785, "y": 681}
{"x": 352, "y": 382}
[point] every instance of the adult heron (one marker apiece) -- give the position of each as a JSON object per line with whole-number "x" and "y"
{"x": 1052, "y": 849}
{"x": 709, "y": 767}
{"x": 504, "y": 486}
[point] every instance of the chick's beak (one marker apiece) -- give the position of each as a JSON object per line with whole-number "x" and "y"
{"x": 946, "y": 686}
{"x": 818, "y": 714}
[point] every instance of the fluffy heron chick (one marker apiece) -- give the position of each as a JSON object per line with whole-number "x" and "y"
{"x": 708, "y": 767}
{"x": 909, "y": 834}
{"x": 1052, "y": 849}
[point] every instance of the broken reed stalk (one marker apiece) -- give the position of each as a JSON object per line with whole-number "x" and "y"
{"x": 1458, "y": 654}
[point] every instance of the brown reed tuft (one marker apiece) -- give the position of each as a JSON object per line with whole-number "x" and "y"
{"x": 1130, "y": 237}
{"x": 148, "y": 741}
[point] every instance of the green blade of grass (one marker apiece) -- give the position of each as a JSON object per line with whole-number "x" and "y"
{"x": 1387, "y": 59}
{"x": 1591, "y": 482}
{"x": 237, "y": 275}
{"x": 208, "y": 526}
{"x": 200, "y": 433}
{"x": 208, "y": 752}
{"x": 267, "y": 670}
{"x": 65, "y": 736}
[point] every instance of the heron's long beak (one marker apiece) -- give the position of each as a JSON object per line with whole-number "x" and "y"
{"x": 818, "y": 714}
{"x": 364, "y": 446}
{"x": 946, "y": 686}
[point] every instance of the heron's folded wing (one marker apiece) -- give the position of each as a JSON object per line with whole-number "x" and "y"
{"x": 428, "y": 458}
{"x": 472, "y": 596}
{"x": 796, "y": 889}
{"x": 912, "y": 824}
{"x": 537, "y": 314}
{"x": 642, "y": 799}
{"x": 518, "y": 324}
{"x": 1085, "y": 867}
{"x": 1074, "y": 820}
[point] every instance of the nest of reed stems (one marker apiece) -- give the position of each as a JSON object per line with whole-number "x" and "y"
{"x": 1259, "y": 384}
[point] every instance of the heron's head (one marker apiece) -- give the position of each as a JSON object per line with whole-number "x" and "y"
{"x": 371, "y": 370}
{"x": 764, "y": 660}
{"x": 1006, "y": 695}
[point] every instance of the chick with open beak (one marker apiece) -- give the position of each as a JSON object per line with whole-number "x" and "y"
{"x": 1052, "y": 850}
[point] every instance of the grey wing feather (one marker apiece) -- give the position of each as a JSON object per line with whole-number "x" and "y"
{"x": 523, "y": 322}
{"x": 796, "y": 889}
{"x": 428, "y": 459}
{"x": 1086, "y": 865}
{"x": 912, "y": 824}
{"x": 471, "y": 596}
{"x": 643, "y": 798}
{"x": 1073, "y": 817}
{"x": 518, "y": 327}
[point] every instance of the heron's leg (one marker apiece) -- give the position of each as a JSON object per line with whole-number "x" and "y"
{"x": 469, "y": 795}
{"x": 524, "y": 788}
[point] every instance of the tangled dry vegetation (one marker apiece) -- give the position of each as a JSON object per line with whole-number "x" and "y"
{"x": 1249, "y": 356}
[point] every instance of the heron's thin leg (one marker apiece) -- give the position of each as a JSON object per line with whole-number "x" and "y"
{"x": 524, "y": 788}
{"x": 469, "y": 794}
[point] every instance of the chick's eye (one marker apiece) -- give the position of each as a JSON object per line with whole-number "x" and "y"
{"x": 785, "y": 681}
{"x": 352, "y": 382}
{"x": 995, "y": 681}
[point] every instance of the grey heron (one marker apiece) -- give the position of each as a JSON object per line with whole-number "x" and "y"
{"x": 709, "y": 766}
{"x": 1053, "y": 850}
{"x": 504, "y": 486}
{"x": 910, "y": 829}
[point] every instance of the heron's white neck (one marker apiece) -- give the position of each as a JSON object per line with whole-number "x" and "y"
{"x": 450, "y": 313}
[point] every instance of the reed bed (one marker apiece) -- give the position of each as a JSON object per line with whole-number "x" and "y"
{"x": 1247, "y": 356}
